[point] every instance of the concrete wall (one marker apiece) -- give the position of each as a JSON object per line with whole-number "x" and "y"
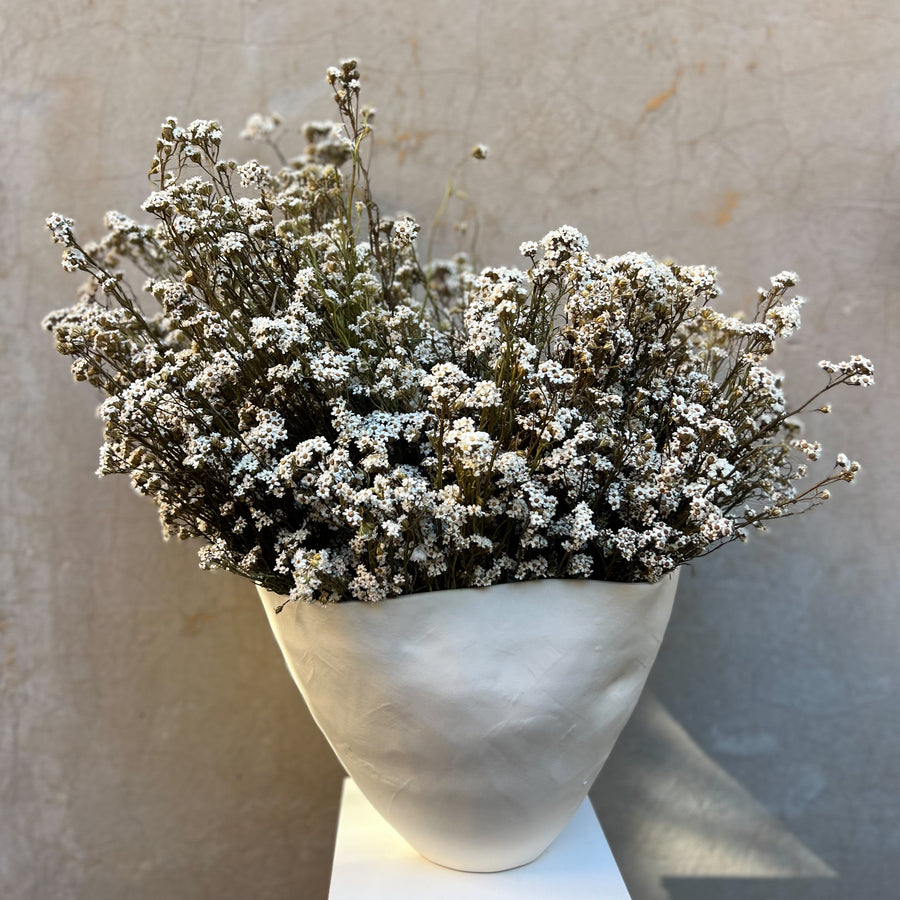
{"x": 151, "y": 743}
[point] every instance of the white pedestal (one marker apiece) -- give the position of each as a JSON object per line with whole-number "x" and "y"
{"x": 372, "y": 862}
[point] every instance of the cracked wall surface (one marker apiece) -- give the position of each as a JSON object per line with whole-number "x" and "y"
{"x": 151, "y": 742}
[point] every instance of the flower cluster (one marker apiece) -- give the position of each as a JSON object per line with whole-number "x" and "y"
{"x": 336, "y": 420}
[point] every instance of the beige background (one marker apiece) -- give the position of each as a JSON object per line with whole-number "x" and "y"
{"x": 151, "y": 742}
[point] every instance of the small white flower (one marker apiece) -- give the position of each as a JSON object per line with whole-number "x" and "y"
{"x": 61, "y": 229}
{"x": 404, "y": 233}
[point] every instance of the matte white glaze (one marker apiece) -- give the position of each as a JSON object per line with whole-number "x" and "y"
{"x": 476, "y": 720}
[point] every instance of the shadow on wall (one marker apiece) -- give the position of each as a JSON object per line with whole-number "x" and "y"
{"x": 754, "y": 889}
{"x": 682, "y": 827}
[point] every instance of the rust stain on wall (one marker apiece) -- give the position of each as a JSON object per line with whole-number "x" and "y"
{"x": 409, "y": 141}
{"x": 654, "y": 103}
{"x": 728, "y": 203}
{"x": 194, "y": 622}
{"x": 721, "y": 210}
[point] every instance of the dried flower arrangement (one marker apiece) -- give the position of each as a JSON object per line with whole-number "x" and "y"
{"x": 336, "y": 419}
